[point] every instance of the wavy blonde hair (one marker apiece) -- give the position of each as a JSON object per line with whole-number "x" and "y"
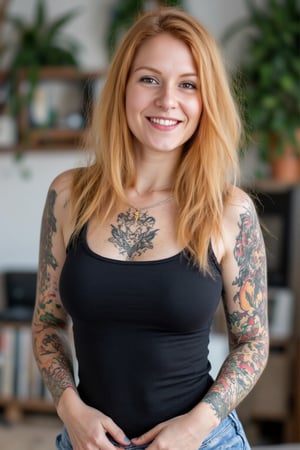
{"x": 209, "y": 162}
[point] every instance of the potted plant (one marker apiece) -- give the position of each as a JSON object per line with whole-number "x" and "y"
{"x": 270, "y": 88}
{"x": 123, "y": 14}
{"x": 39, "y": 44}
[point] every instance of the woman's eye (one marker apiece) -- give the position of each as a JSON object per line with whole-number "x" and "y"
{"x": 188, "y": 85}
{"x": 148, "y": 80}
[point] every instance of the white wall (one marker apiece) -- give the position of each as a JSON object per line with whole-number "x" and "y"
{"x": 22, "y": 199}
{"x": 23, "y": 189}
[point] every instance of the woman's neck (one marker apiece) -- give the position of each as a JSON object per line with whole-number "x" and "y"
{"x": 155, "y": 175}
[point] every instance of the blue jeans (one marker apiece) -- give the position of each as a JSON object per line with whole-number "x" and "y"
{"x": 229, "y": 435}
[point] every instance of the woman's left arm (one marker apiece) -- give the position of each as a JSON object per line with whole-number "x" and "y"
{"x": 245, "y": 304}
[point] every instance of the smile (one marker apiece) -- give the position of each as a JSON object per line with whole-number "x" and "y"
{"x": 163, "y": 122}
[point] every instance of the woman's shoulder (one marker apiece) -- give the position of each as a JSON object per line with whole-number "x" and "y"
{"x": 60, "y": 190}
{"x": 63, "y": 183}
{"x": 238, "y": 202}
{"x": 238, "y": 209}
{"x": 60, "y": 194}
{"x": 239, "y": 212}
{"x": 240, "y": 227}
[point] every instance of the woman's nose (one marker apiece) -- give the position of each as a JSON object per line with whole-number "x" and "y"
{"x": 166, "y": 99}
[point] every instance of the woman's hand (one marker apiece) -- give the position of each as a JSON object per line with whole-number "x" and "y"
{"x": 87, "y": 427}
{"x": 183, "y": 432}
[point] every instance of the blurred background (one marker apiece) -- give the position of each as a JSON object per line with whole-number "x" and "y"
{"x": 53, "y": 60}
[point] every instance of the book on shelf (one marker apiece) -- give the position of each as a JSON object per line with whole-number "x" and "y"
{"x": 19, "y": 376}
{"x": 7, "y": 356}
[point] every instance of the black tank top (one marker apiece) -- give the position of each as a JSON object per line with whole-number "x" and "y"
{"x": 141, "y": 332}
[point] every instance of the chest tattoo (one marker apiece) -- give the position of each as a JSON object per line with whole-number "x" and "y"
{"x": 133, "y": 233}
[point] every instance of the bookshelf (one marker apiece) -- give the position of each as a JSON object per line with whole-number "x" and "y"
{"x": 21, "y": 386}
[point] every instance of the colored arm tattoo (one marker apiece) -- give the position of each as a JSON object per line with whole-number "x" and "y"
{"x": 49, "y": 325}
{"x": 247, "y": 324}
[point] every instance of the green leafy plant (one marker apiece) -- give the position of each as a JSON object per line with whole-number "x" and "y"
{"x": 3, "y": 6}
{"x": 269, "y": 74}
{"x": 124, "y": 14}
{"x": 40, "y": 44}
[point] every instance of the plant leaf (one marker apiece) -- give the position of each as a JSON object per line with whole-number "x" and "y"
{"x": 55, "y": 26}
{"x": 40, "y": 14}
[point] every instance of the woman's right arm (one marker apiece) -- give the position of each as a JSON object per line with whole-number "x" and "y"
{"x": 50, "y": 321}
{"x": 87, "y": 426}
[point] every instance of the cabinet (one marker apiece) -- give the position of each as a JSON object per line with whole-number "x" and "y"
{"x": 54, "y": 115}
{"x": 21, "y": 385}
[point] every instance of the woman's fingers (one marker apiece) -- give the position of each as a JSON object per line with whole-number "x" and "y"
{"x": 115, "y": 431}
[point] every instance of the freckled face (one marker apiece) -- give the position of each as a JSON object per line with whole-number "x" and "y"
{"x": 163, "y": 101}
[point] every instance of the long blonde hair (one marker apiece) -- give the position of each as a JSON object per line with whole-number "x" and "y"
{"x": 209, "y": 162}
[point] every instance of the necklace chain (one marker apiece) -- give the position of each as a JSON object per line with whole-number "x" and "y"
{"x": 137, "y": 211}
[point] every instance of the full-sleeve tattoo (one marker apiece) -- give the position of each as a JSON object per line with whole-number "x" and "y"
{"x": 49, "y": 326}
{"x": 246, "y": 319}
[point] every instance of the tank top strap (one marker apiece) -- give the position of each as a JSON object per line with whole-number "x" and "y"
{"x": 75, "y": 239}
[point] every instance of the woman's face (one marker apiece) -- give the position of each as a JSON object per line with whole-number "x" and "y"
{"x": 163, "y": 101}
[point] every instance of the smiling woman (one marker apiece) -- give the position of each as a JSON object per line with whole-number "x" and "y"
{"x": 138, "y": 248}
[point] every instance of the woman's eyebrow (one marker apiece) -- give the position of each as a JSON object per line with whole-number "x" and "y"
{"x": 152, "y": 69}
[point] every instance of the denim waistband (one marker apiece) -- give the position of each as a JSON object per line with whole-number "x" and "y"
{"x": 229, "y": 434}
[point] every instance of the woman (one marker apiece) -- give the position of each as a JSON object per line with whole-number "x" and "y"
{"x": 137, "y": 249}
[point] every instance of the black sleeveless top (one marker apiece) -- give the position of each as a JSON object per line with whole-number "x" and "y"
{"x": 141, "y": 332}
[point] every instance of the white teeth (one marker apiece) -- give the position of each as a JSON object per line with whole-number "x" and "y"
{"x": 164, "y": 122}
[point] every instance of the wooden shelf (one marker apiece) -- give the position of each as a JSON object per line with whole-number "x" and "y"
{"x": 272, "y": 186}
{"x": 58, "y": 135}
{"x": 61, "y": 73}
{"x": 48, "y": 138}
{"x": 14, "y": 408}
{"x": 11, "y": 149}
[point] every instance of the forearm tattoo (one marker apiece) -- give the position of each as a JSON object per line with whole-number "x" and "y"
{"x": 247, "y": 324}
{"x": 53, "y": 357}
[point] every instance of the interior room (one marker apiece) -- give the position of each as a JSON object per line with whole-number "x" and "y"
{"x": 44, "y": 119}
